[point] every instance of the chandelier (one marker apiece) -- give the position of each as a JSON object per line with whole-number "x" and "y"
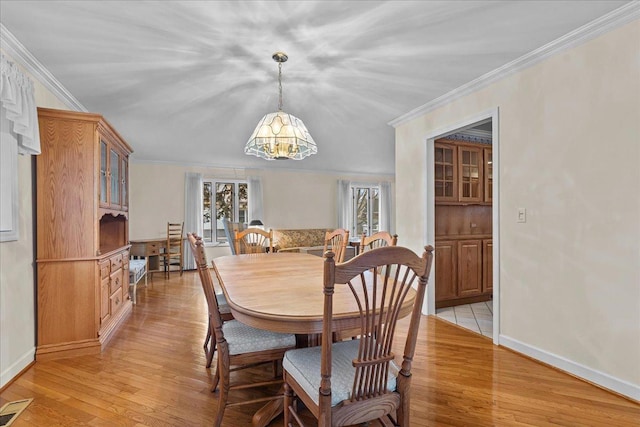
{"x": 280, "y": 135}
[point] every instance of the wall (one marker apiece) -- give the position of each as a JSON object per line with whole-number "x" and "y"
{"x": 292, "y": 199}
{"x": 17, "y": 287}
{"x": 569, "y": 130}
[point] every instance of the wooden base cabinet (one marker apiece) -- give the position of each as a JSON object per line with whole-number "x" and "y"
{"x": 82, "y": 242}
{"x": 463, "y": 271}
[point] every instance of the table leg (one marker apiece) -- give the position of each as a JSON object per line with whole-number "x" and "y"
{"x": 268, "y": 412}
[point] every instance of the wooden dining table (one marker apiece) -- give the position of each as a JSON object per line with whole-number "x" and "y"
{"x": 283, "y": 292}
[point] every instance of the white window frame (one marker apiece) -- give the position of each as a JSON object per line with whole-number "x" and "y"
{"x": 214, "y": 240}
{"x": 354, "y": 208}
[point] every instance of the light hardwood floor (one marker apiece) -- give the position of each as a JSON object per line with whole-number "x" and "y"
{"x": 152, "y": 374}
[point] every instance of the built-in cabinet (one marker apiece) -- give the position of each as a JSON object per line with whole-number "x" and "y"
{"x": 82, "y": 234}
{"x": 463, "y": 178}
{"x": 463, "y": 271}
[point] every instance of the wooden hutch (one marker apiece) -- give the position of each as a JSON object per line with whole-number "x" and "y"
{"x": 463, "y": 178}
{"x": 82, "y": 233}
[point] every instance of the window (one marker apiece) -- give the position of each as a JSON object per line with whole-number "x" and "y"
{"x": 223, "y": 199}
{"x": 366, "y": 210}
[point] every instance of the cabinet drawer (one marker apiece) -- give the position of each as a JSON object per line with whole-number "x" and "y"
{"x": 115, "y": 302}
{"x": 105, "y": 269}
{"x": 116, "y": 262}
{"x": 153, "y": 249}
{"x": 116, "y": 281}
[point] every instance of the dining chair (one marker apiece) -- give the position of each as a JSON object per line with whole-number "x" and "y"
{"x": 223, "y": 308}
{"x": 356, "y": 381}
{"x": 336, "y": 241}
{"x": 253, "y": 240}
{"x": 173, "y": 252}
{"x": 238, "y": 345}
{"x": 377, "y": 240}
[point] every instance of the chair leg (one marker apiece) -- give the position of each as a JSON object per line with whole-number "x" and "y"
{"x": 288, "y": 401}
{"x": 211, "y": 353}
{"x": 207, "y": 339}
{"x": 224, "y": 394}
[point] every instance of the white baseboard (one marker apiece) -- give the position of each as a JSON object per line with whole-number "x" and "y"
{"x": 600, "y": 378}
{"x": 10, "y": 373}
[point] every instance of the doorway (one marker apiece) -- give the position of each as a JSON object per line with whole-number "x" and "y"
{"x": 462, "y": 221}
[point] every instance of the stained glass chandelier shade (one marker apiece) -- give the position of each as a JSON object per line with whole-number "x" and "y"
{"x": 280, "y": 135}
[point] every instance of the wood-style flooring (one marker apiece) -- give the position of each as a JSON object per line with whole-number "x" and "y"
{"x": 152, "y": 374}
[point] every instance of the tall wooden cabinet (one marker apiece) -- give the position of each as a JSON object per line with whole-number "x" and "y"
{"x": 463, "y": 178}
{"x": 82, "y": 233}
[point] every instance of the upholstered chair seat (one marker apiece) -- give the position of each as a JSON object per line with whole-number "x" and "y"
{"x": 303, "y": 365}
{"x": 246, "y": 339}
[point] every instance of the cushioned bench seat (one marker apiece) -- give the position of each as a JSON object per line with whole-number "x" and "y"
{"x": 137, "y": 270}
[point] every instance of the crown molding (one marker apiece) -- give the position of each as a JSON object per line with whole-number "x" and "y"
{"x": 605, "y": 23}
{"x": 20, "y": 54}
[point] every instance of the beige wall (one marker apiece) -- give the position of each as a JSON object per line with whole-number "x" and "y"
{"x": 569, "y": 140}
{"x": 292, "y": 199}
{"x": 17, "y": 344}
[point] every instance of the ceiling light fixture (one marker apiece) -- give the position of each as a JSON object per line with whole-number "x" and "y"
{"x": 280, "y": 136}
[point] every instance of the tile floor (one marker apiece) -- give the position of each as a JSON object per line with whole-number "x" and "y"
{"x": 478, "y": 317}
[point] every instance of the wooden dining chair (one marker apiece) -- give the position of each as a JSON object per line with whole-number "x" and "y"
{"x": 377, "y": 240}
{"x": 238, "y": 345}
{"x": 173, "y": 252}
{"x": 356, "y": 381}
{"x": 336, "y": 241}
{"x": 252, "y": 241}
{"x": 223, "y": 308}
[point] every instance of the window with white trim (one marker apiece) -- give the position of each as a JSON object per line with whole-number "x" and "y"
{"x": 223, "y": 199}
{"x": 365, "y": 210}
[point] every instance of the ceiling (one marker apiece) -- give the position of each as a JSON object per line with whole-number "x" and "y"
{"x": 187, "y": 81}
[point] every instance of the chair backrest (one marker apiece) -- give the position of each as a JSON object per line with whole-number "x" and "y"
{"x": 336, "y": 241}
{"x": 175, "y": 237}
{"x": 197, "y": 248}
{"x": 388, "y": 274}
{"x": 253, "y": 241}
{"x": 377, "y": 240}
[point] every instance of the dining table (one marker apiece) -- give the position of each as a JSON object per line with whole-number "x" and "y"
{"x": 283, "y": 292}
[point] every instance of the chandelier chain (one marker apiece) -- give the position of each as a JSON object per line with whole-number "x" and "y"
{"x": 280, "y": 85}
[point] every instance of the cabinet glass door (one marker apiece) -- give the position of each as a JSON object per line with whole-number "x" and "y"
{"x": 470, "y": 174}
{"x": 124, "y": 170}
{"x": 114, "y": 164}
{"x": 445, "y": 172}
{"x": 488, "y": 175}
{"x": 103, "y": 173}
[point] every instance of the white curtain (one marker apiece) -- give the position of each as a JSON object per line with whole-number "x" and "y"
{"x": 385, "y": 207}
{"x": 345, "y": 216}
{"x": 192, "y": 212}
{"x": 256, "y": 210}
{"x": 19, "y": 105}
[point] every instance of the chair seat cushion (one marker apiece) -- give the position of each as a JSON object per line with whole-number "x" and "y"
{"x": 223, "y": 306}
{"x": 246, "y": 339}
{"x": 304, "y": 366}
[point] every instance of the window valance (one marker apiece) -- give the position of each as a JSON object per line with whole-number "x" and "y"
{"x": 19, "y": 106}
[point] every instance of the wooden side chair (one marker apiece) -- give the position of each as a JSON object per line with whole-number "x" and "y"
{"x": 239, "y": 346}
{"x": 356, "y": 381}
{"x": 336, "y": 241}
{"x": 223, "y": 308}
{"x": 172, "y": 255}
{"x": 377, "y": 240}
{"x": 252, "y": 241}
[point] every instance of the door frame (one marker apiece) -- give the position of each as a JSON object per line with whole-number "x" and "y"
{"x": 429, "y": 306}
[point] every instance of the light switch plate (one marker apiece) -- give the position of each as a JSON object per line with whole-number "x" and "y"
{"x": 522, "y": 215}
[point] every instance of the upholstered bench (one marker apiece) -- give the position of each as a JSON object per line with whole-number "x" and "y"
{"x": 137, "y": 270}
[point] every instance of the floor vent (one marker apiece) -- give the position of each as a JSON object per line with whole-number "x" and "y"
{"x": 10, "y": 411}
